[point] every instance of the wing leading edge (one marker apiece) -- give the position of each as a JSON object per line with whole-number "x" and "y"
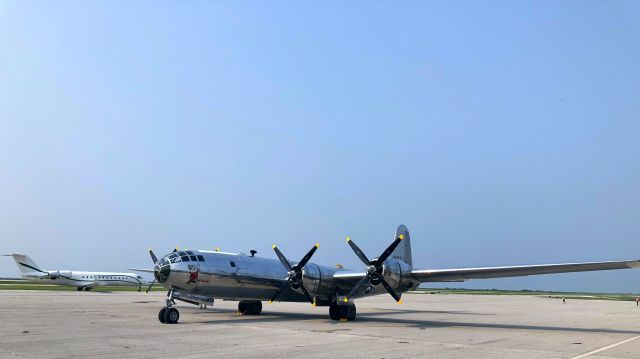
{"x": 456, "y": 275}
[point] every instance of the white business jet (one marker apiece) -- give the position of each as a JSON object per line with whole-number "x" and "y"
{"x": 80, "y": 279}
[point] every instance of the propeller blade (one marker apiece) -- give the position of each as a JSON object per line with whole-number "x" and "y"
{"x": 358, "y": 252}
{"x": 150, "y": 285}
{"x": 306, "y": 294}
{"x": 284, "y": 285}
{"x": 387, "y": 252}
{"x": 356, "y": 288}
{"x": 390, "y": 290}
{"x": 306, "y": 258}
{"x": 282, "y": 258}
{"x": 153, "y": 256}
{"x": 295, "y": 272}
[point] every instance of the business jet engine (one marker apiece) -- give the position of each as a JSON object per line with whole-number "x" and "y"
{"x": 58, "y": 274}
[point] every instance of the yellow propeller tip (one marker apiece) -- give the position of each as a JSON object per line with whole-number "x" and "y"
{"x": 401, "y": 236}
{"x": 346, "y": 300}
{"x": 317, "y": 245}
{"x": 348, "y": 239}
{"x": 273, "y": 246}
{"x": 270, "y": 302}
{"x": 400, "y": 301}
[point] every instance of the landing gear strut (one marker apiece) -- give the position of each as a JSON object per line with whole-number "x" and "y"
{"x": 168, "y": 314}
{"x": 250, "y": 308}
{"x": 342, "y": 312}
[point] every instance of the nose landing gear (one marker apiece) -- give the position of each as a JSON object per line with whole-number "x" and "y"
{"x": 169, "y": 314}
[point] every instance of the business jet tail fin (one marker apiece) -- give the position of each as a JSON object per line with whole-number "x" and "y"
{"x": 26, "y": 264}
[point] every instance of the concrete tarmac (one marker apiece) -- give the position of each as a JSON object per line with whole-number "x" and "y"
{"x": 49, "y": 324}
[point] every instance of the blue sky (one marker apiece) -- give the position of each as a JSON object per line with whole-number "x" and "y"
{"x": 499, "y": 132}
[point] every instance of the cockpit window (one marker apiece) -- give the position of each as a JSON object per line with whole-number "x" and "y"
{"x": 200, "y": 258}
{"x": 172, "y": 255}
{"x": 185, "y": 258}
{"x": 182, "y": 254}
{"x": 189, "y": 252}
{"x": 193, "y": 258}
{"x": 175, "y": 259}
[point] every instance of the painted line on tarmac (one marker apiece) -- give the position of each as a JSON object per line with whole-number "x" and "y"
{"x": 605, "y": 348}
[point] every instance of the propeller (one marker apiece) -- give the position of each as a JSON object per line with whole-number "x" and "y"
{"x": 374, "y": 269}
{"x": 155, "y": 260}
{"x": 153, "y": 256}
{"x": 294, "y": 273}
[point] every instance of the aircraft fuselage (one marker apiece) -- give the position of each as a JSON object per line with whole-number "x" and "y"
{"x": 249, "y": 278}
{"x": 237, "y": 276}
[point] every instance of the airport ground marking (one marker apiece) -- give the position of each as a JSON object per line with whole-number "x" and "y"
{"x": 605, "y": 348}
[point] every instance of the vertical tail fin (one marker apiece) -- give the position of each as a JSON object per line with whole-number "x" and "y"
{"x": 403, "y": 251}
{"x": 26, "y": 264}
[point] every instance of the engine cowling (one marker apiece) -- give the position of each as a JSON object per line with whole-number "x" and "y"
{"x": 398, "y": 275}
{"x": 317, "y": 280}
{"x": 58, "y": 274}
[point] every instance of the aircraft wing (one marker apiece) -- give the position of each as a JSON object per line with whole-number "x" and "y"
{"x": 349, "y": 276}
{"x": 458, "y": 275}
{"x": 141, "y": 270}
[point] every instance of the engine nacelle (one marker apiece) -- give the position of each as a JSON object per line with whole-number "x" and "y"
{"x": 398, "y": 275}
{"x": 58, "y": 274}
{"x": 317, "y": 280}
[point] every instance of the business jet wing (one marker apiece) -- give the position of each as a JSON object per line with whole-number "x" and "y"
{"x": 457, "y": 275}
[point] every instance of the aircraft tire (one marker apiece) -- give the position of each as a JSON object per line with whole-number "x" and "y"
{"x": 242, "y": 308}
{"x": 344, "y": 312}
{"x": 87, "y": 289}
{"x": 79, "y": 289}
{"x": 334, "y": 311}
{"x": 161, "y": 315}
{"x": 171, "y": 316}
{"x": 351, "y": 316}
{"x": 254, "y": 308}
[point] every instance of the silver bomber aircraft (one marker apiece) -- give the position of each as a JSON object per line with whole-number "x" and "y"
{"x": 199, "y": 276}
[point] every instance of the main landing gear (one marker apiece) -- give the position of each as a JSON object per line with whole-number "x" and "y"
{"x": 250, "y": 308}
{"x": 169, "y": 314}
{"x": 342, "y": 312}
{"x": 80, "y": 289}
